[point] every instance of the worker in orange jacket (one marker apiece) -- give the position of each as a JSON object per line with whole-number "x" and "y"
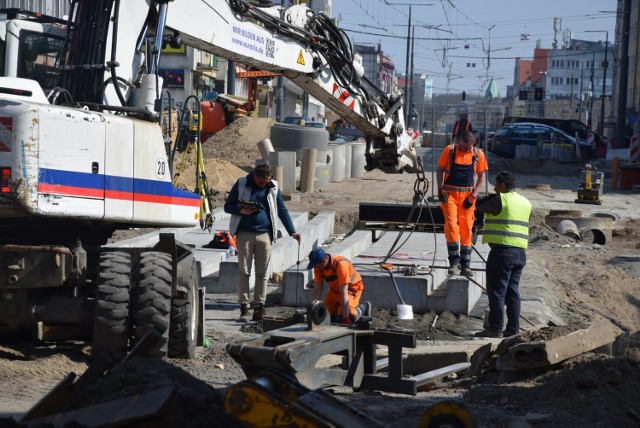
{"x": 461, "y": 126}
{"x": 457, "y": 191}
{"x": 345, "y": 286}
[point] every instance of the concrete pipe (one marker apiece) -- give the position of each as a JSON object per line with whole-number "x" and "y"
{"x": 278, "y": 175}
{"x": 595, "y": 236}
{"x": 265, "y": 148}
{"x": 358, "y": 160}
{"x": 287, "y": 137}
{"x": 338, "y": 168}
{"x": 307, "y": 170}
{"x": 568, "y": 228}
{"x": 348, "y": 152}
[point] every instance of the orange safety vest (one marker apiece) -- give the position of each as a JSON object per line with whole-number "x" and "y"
{"x": 456, "y": 130}
{"x": 331, "y": 275}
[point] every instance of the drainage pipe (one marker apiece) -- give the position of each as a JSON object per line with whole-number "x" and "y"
{"x": 568, "y": 228}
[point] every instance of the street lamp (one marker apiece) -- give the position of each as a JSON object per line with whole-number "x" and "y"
{"x": 605, "y": 65}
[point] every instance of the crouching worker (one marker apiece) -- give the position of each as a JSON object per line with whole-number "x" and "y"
{"x": 345, "y": 286}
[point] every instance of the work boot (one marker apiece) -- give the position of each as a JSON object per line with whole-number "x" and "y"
{"x": 453, "y": 269}
{"x": 244, "y": 313}
{"x": 258, "y": 313}
{"x": 509, "y": 333}
{"x": 466, "y": 271}
{"x": 488, "y": 333}
{"x": 367, "y": 309}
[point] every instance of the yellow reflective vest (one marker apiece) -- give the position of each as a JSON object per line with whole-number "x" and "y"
{"x": 511, "y": 226}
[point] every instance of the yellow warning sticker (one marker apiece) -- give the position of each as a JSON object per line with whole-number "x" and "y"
{"x": 300, "y": 58}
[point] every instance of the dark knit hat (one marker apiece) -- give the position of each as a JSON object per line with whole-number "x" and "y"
{"x": 508, "y": 178}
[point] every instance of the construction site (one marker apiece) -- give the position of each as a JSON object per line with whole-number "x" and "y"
{"x": 574, "y": 363}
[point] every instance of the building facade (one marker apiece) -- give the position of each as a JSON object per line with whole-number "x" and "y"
{"x": 378, "y": 67}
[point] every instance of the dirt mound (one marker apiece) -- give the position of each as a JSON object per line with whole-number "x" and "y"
{"x": 228, "y": 155}
{"x": 589, "y": 390}
{"x": 238, "y": 142}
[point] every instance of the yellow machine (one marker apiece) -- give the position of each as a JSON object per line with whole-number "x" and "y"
{"x": 591, "y": 186}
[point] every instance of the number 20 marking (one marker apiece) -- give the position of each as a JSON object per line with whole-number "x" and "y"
{"x": 161, "y": 168}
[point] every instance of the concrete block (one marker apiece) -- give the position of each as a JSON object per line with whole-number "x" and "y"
{"x": 462, "y": 296}
{"x": 284, "y": 252}
{"x": 541, "y": 353}
{"x": 294, "y": 289}
{"x": 287, "y": 160}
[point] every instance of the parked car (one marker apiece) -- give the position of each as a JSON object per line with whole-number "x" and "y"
{"x": 295, "y": 120}
{"x": 570, "y": 126}
{"x": 509, "y": 137}
{"x": 312, "y": 124}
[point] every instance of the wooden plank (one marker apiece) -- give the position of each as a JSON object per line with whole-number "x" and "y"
{"x": 434, "y": 375}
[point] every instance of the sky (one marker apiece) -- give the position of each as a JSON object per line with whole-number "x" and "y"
{"x": 479, "y": 39}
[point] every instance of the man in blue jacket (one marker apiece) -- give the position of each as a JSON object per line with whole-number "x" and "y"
{"x": 255, "y": 204}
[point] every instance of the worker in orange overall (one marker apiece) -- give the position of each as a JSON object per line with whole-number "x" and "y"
{"x": 345, "y": 286}
{"x": 457, "y": 191}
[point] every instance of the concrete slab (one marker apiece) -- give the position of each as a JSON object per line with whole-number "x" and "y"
{"x": 430, "y": 289}
{"x": 294, "y": 287}
{"x": 284, "y": 253}
{"x": 428, "y": 252}
{"x": 541, "y": 353}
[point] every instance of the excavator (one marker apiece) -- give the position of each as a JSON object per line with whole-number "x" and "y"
{"x": 82, "y": 155}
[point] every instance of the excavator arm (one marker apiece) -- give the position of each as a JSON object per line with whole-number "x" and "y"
{"x": 113, "y": 51}
{"x": 306, "y": 47}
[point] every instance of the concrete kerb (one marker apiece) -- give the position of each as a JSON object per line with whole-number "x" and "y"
{"x": 459, "y": 296}
{"x": 284, "y": 253}
{"x": 419, "y": 291}
{"x": 294, "y": 287}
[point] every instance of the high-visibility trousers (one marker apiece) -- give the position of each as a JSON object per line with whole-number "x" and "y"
{"x": 458, "y": 221}
{"x": 332, "y": 300}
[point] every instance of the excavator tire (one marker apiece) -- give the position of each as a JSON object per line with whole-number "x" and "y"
{"x": 153, "y": 302}
{"x": 111, "y": 327}
{"x": 183, "y": 330}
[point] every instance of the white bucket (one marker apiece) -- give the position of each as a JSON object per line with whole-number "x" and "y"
{"x": 405, "y": 312}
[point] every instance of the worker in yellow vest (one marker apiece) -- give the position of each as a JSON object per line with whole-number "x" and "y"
{"x": 506, "y": 230}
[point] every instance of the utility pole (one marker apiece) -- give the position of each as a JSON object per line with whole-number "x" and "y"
{"x": 410, "y": 97}
{"x": 623, "y": 73}
{"x": 604, "y": 84}
{"x": 406, "y": 80}
{"x": 593, "y": 60}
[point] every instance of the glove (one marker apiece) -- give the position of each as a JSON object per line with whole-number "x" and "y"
{"x": 468, "y": 202}
{"x": 442, "y": 196}
{"x": 345, "y": 320}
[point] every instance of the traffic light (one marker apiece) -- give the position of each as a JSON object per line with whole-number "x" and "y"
{"x": 464, "y": 95}
{"x": 538, "y": 94}
{"x": 523, "y": 95}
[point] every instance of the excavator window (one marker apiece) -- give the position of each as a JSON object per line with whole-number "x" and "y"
{"x": 37, "y": 58}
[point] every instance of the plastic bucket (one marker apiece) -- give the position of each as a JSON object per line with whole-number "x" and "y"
{"x": 405, "y": 312}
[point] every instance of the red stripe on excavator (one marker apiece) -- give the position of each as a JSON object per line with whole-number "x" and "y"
{"x": 7, "y": 122}
{"x": 123, "y": 196}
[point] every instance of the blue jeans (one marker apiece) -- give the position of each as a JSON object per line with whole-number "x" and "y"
{"x": 504, "y": 268}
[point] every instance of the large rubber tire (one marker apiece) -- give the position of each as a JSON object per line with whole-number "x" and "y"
{"x": 113, "y": 288}
{"x": 285, "y": 137}
{"x": 183, "y": 331}
{"x": 153, "y": 301}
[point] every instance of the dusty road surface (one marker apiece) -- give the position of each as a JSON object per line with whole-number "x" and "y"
{"x": 583, "y": 282}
